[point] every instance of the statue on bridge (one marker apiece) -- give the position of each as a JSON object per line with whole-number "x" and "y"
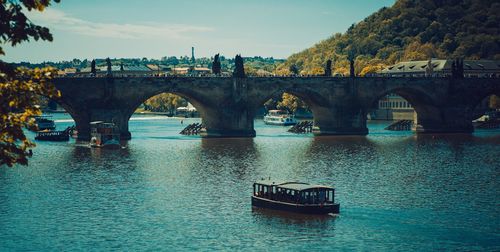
{"x": 239, "y": 69}
{"x": 457, "y": 69}
{"x": 108, "y": 63}
{"x": 92, "y": 68}
{"x": 328, "y": 68}
{"x": 352, "y": 74}
{"x": 216, "y": 66}
{"x": 429, "y": 69}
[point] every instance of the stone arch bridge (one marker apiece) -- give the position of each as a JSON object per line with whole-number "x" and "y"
{"x": 228, "y": 105}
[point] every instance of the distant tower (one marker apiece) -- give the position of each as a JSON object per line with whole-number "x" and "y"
{"x": 192, "y": 54}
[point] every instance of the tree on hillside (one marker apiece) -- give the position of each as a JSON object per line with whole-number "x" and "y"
{"x": 410, "y": 30}
{"x": 165, "y": 102}
{"x": 290, "y": 103}
{"x": 20, "y": 88}
{"x": 294, "y": 69}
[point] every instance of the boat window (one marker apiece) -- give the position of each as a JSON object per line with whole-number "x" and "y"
{"x": 322, "y": 196}
{"x": 261, "y": 190}
{"x": 308, "y": 198}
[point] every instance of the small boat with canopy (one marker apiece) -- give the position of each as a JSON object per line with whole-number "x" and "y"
{"x": 104, "y": 135}
{"x": 295, "y": 197}
{"x": 43, "y": 122}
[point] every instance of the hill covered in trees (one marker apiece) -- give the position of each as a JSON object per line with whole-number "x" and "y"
{"x": 409, "y": 30}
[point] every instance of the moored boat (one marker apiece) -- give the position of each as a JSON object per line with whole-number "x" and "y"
{"x": 279, "y": 117}
{"x": 295, "y": 197}
{"x": 52, "y": 135}
{"x": 104, "y": 135}
{"x": 44, "y": 122}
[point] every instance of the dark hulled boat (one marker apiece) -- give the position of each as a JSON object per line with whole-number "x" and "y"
{"x": 52, "y": 136}
{"x": 295, "y": 197}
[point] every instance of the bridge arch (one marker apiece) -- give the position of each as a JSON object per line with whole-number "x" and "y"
{"x": 317, "y": 103}
{"x": 70, "y": 108}
{"x": 196, "y": 101}
{"x": 200, "y": 103}
{"x": 475, "y": 100}
{"x": 313, "y": 99}
{"x": 333, "y": 114}
{"x": 418, "y": 100}
{"x": 482, "y": 103}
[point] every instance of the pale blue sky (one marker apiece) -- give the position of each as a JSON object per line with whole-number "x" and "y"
{"x": 155, "y": 28}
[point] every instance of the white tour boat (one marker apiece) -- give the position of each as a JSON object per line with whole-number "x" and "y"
{"x": 279, "y": 117}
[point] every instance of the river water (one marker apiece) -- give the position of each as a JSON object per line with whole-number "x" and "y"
{"x": 165, "y": 191}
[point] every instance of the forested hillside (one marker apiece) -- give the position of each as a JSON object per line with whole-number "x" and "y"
{"x": 409, "y": 30}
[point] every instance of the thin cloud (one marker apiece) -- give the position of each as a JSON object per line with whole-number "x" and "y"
{"x": 59, "y": 20}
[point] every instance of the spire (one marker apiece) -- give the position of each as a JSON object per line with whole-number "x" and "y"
{"x": 192, "y": 55}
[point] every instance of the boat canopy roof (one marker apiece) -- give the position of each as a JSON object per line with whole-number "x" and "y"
{"x": 279, "y": 111}
{"x": 294, "y": 185}
{"x": 101, "y": 124}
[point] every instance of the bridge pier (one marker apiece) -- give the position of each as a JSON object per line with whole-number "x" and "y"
{"x": 339, "y": 120}
{"x": 117, "y": 116}
{"x": 445, "y": 120}
{"x": 84, "y": 118}
{"x": 82, "y": 123}
{"x": 227, "y": 122}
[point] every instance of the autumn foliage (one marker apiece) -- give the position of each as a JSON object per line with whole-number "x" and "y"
{"x": 20, "y": 94}
{"x": 20, "y": 88}
{"x": 409, "y": 30}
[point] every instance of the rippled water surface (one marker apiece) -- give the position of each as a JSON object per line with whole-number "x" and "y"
{"x": 397, "y": 192}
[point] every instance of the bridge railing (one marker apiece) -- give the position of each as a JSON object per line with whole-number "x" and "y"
{"x": 388, "y": 75}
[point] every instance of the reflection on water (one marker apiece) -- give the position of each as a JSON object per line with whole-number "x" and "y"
{"x": 272, "y": 218}
{"x": 240, "y": 155}
{"x": 164, "y": 190}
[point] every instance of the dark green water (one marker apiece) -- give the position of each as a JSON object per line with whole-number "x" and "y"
{"x": 170, "y": 192}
